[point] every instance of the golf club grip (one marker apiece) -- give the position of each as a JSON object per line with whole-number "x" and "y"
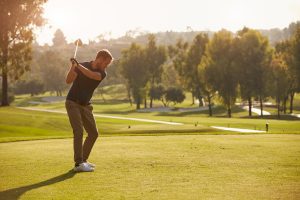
{"x": 74, "y": 61}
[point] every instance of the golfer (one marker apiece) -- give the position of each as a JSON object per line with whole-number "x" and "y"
{"x": 85, "y": 77}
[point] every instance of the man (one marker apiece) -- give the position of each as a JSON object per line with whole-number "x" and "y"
{"x": 85, "y": 78}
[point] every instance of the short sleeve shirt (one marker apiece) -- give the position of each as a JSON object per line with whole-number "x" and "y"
{"x": 83, "y": 87}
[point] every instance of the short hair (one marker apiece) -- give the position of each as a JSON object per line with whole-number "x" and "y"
{"x": 104, "y": 53}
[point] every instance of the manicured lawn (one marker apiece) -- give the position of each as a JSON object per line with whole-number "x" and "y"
{"x": 17, "y": 124}
{"x": 142, "y": 160}
{"x": 156, "y": 167}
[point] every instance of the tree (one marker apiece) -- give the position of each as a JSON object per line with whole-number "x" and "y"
{"x": 32, "y": 86}
{"x": 296, "y": 55}
{"x": 285, "y": 49}
{"x": 17, "y": 21}
{"x": 52, "y": 65}
{"x": 279, "y": 80}
{"x": 296, "y": 47}
{"x": 178, "y": 55}
{"x": 252, "y": 54}
{"x": 289, "y": 51}
{"x": 155, "y": 58}
{"x": 59, "y": 38}
{"x": 193, "y": 59}
{"x": 11, "y": 96}
{"x": 157, "y": 92}
{"x": 206, "y": 88}
{"x": 220, "y": 68}
{"x": 134, "y": 71}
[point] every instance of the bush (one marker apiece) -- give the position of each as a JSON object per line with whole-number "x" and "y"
{"x": 175, "y": 95}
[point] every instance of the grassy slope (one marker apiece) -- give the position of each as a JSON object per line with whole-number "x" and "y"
{"x": 17, "y": 124}
{"x": 166, "y": 167}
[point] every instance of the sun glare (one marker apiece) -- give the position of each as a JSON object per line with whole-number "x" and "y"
{"x": 90, "y": 18}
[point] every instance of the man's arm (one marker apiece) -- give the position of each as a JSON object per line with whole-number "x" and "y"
{"x": 71, "y": 76}
{"x": 90, "y": 74}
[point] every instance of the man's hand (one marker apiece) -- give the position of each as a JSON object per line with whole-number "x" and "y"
{"x": 74, "y": 61}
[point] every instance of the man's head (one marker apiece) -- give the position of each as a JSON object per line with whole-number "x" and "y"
{"x": 103, "y": 59}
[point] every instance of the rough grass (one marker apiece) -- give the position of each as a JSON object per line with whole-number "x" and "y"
{"x": 151, "y": 167}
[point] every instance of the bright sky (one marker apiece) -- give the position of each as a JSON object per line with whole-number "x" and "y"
{"x": 86, "y": 19}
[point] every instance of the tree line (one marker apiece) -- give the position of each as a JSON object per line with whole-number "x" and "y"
{"x": 242, "y": 65}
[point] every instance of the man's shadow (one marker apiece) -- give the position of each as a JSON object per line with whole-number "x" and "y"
{"x": 15, "y": 193}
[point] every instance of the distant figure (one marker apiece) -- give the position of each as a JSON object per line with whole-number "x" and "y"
{"x": 85, "y": 77}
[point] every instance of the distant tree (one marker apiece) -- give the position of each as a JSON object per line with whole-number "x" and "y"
{"x": 279, "y": 80}
{"x": 30, "y": 86}
{"x": 290, "y": 31}
{"x": 193, "y": 59}
{"x": 18, "y": 18}
{"x": 134, "y": 71}
{"x": 252, "y": 55}
{"x": 114, "y": 71}
{"x": 289, "y": 50}
{"x": 221, "y": 70}
{"x": 296, "y": 54}
{"x": 178, "y": 56}
{"x": 205, "y": 72}
{"x": 155, "y": 58}
{"x": 59, "y": 38}
{"x": 53, "y": 69}
{"x": 157, "y": 92}
{"x": 285, "y": 50}
{"x": 170, "y": 76}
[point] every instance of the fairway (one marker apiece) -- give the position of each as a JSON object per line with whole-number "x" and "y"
{"x": 156, "y": 167}
{"x": 148, "y": 158}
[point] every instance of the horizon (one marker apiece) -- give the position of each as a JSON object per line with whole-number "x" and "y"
{"x": 232, "y": 15}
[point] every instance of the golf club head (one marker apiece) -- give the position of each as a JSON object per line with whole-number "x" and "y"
{"x": 78, "y": 42}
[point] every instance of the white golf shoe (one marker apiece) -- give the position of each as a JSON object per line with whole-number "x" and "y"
{"x": 83, "y": 167}
{"x": 92, "y": 165}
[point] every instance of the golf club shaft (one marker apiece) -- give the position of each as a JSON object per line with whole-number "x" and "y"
{"x": 76, "y": 49}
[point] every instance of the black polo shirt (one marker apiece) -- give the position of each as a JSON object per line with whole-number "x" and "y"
{"x": 83, "y": 87}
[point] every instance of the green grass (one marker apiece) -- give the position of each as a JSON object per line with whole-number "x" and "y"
{"x": 17, "y": 124}
{"x": 156, "y": 162}
{"x": 152, "y": 167}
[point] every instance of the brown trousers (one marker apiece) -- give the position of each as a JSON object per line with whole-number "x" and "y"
{"x": 79, "y": 117}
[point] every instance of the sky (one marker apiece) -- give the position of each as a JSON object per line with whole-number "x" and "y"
{"x": 87, "y": 19}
